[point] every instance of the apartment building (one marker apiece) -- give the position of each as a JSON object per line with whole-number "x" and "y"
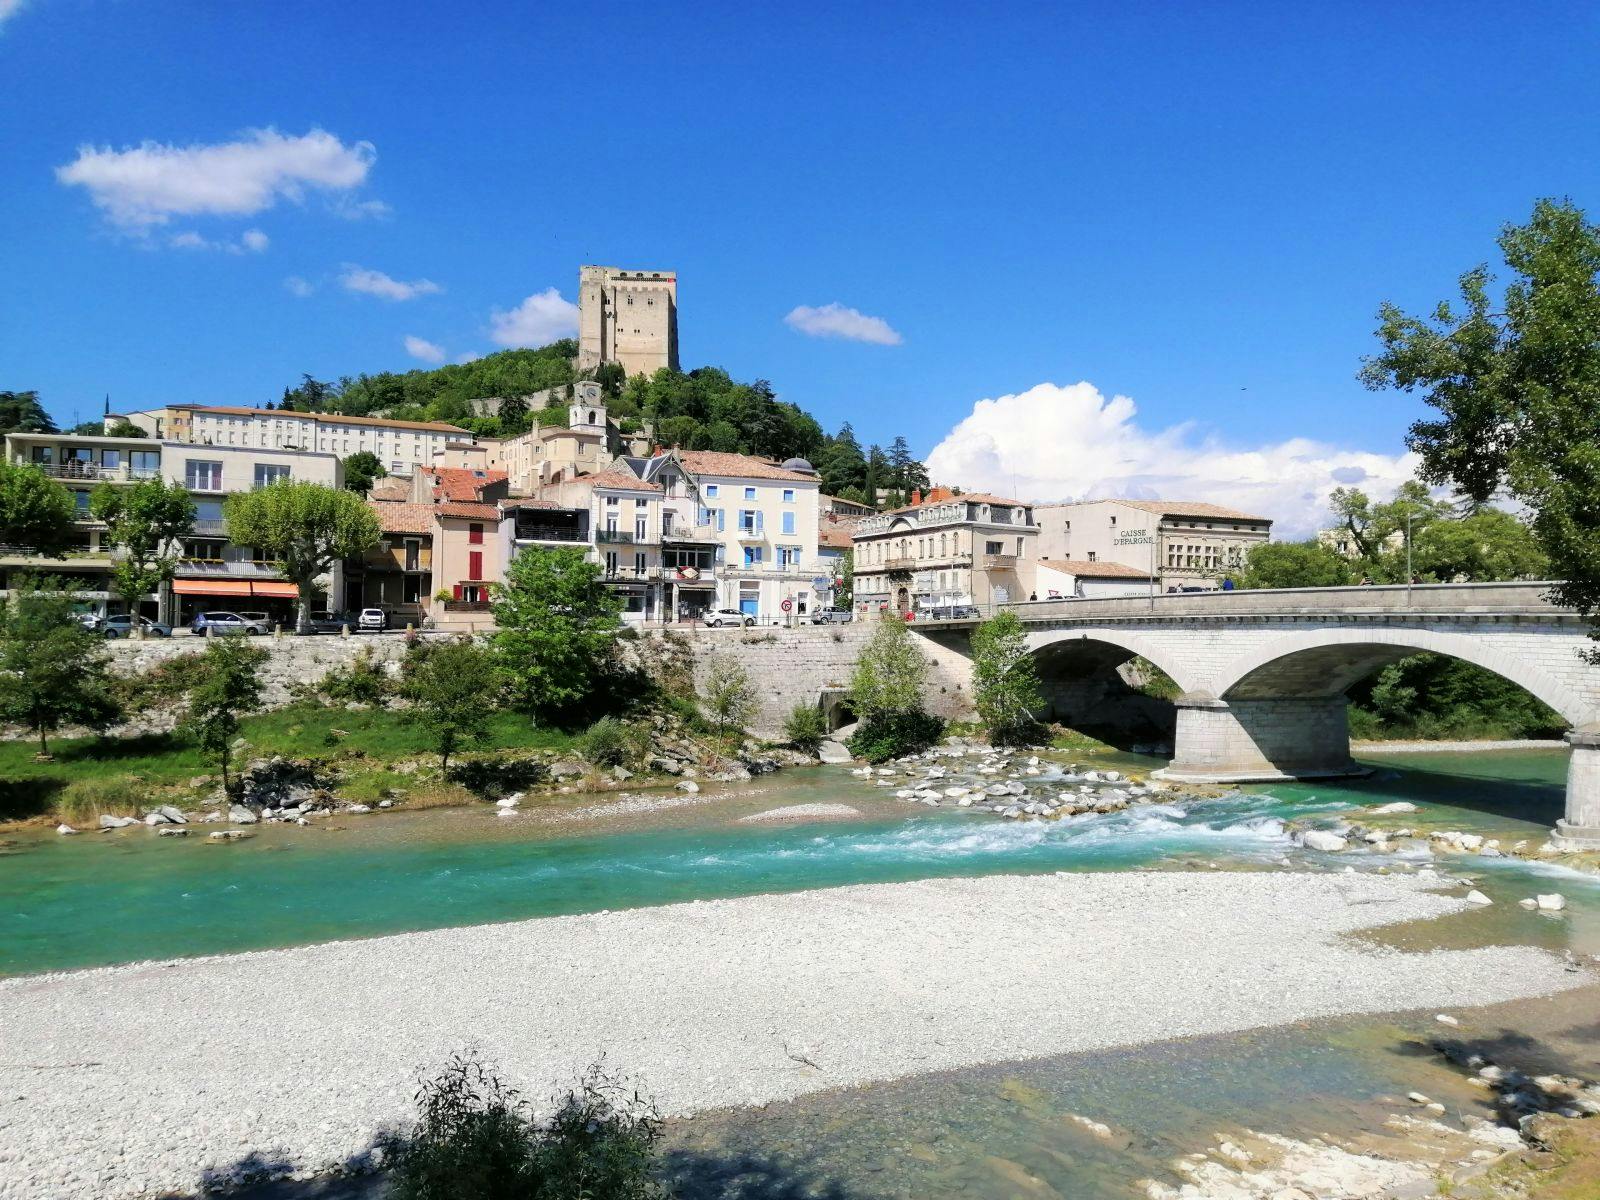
{"x": 401, "y": 446}
{"x": 212, "y": 572}
{"x": 762, "y": 519}
{"x": 943, "y": 550}
{"x": 1187, "y": 544}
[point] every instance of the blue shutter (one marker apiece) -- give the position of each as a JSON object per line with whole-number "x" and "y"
{"x": 761, "y": 520}
{"x": 720, "y": 525}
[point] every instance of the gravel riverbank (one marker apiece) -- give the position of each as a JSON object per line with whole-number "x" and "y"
{"x": 131, "y": 1079}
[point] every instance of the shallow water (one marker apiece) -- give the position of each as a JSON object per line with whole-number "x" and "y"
{"x": 989, "y": 1133}
{"x": 99, "y": 899}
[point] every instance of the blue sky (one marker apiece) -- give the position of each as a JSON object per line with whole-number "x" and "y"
{"x": 1195, "y": 206}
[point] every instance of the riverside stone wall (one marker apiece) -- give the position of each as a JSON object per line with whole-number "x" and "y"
{"x": 799, "y": 665}
{"x": 788, "y": 666}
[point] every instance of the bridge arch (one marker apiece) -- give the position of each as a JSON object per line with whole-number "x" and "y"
{"x": 1326, "y": 663}
{"x": 1113, "y": 647}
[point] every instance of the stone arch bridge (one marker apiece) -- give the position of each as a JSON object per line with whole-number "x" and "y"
{"x": 1263, "y": 674}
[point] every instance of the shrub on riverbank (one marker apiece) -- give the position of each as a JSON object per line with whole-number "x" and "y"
{"x": 805, "y": 728}
{"x": 886, "y": 692}
{"x": 84, "y": 800}
{"x": 613, "y": 743}
{"x": 896, "y": 734}
{"x": 1429, "y": 697}
{"x": 475, "y": 1140}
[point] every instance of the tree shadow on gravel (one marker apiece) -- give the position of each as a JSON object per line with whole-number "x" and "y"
{"x": 688, "y": 1174}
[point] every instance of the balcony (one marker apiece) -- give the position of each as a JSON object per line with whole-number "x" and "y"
{"x": 210, "y": 528}
{"x": 899, "y": 564}
{"x": 233, "y": 568}
{"x": 94, "y": 472}
{"x": 704, "y": 535}
{"x": 618, "y": 537}
{"x": 998, "y": 562}
{"x": 549, "y": 533}
{"x": 752, "y": 535}
{"x": 468, "y": 606}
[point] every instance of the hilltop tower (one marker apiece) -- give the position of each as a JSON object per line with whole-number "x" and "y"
{"x": 627, "y": 317}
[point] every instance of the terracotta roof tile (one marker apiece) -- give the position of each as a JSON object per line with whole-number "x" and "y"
{"x": 621, "y": 479}
{"x": 473, "y": 512}
{"x": 396, "y": 517}
{"x": 973, "y": 497}
{"x": 834, "y": 536}
{"x": 736, "y": 466}
{"x": 461, "y": 483}
{"x": 1192, "y": 508}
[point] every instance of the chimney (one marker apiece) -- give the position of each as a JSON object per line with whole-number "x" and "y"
{"x": 916, "y": 496}
{"x": 940, "y": 493}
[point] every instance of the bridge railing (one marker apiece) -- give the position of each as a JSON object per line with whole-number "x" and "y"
{"x": 1516, "y": 598}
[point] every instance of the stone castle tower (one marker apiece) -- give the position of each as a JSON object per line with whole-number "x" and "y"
{"x": 627, "y": 317}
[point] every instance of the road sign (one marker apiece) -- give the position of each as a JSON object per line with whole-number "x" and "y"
{"x": 786, "y": 605}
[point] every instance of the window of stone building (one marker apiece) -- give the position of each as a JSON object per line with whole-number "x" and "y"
{"x": 1092, "y": 556}
{"x": 1113, "y": 522}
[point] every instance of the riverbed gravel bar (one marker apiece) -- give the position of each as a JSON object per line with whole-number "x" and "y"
{"x": 132, "y": 1080}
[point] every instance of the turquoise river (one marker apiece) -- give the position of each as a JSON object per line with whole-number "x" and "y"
{"x": 94, "y": 900}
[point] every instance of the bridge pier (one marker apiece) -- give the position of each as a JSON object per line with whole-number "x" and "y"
{"x": 1261, "y": 741}
{"x": 1580, "y": 828}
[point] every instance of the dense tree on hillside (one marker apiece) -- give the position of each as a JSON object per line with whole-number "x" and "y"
{"x": 21, "y": 412}
{"x": 842, "y": 464}
{"x": 1516, "y": 383}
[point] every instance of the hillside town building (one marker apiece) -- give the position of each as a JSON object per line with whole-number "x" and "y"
{"x": 629, "y": 318}
{"x": 1185, "y": 544}
{"x": 400, "y": 446}
{"x": 944, "y": 551}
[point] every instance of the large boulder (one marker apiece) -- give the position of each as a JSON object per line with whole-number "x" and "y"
{"x": 240, "y": 815}
{"x": 107, "y": 821}
{"x": 1323, "y": 841}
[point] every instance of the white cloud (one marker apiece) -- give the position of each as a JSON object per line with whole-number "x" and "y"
{"x": 837, "y": 321}
{"x": 298, "y": 286}
{"x": 376, "y": 283}
{"x": 148, "y": 184}
{"x": 351, "y": 209}
{"x": 252, "y": 241}
{"x": 469, "y": 356}
{"x": 9, "y": 9}
{"x": 426, "y": 351}
{"x": 542, "y": 318}
{"x": 1070, "y": 443}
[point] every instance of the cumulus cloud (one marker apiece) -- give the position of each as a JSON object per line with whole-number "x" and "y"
{"x": 252, "y": 241}
{"x": 9, "y": 9}
{"x": 376, "y": 283}
{"x": 295, "y": 285}
{"x": 146, "y": 185}
{"x": 837, "y": 321}
{"x": 424, "y": 350}
{"x": 542, "y": 318}
{"x": 1072, "y": 443}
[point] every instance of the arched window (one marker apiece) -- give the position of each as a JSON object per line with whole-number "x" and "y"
{"x": 941, "y": 545}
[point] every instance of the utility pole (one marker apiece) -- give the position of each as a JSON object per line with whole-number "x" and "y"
{"x": 1409, "y": 575}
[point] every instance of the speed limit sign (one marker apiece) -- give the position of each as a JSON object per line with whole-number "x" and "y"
{"x": 786, "y": 605}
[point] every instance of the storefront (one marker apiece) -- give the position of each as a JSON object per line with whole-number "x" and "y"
{"x": 262, "y": 599}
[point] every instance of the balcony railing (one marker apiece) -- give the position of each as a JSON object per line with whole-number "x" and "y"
{"x": 248, "y": 567}
{"x": 548, "y": 533}
{"x": 94, "y": 471}
{"x": 619, "y": 537}
{"x": 468, "y": 606}
{"x": 704, "y": 535}
{"x": 209, "y": 527}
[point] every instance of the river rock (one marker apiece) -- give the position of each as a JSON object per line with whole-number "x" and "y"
{"x": 688, "y": 785}
{"x": 1529, "y": 902}
{"x": 172, "y": 831}
{"x": 1551, "y": 902}
{"x": 226, "y": 835}
{"x": 1322, "y": 840}
{"x": 107, "y": 821}
{"x": 1477, "y": 897}
{"x": 359, "y": 808}
{"x": 1397, "y": 806}
{"x": 510, "y": 801}
{"x": 240, "y": 815}
{"x": 65, "y": 829}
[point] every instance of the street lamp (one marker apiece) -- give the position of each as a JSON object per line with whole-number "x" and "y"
{"x": 1409, "y": 575}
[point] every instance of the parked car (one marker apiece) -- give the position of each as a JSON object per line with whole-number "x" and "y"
{"x": 372, "y": 620}
{"x": 326, "y": 622}
{"x": 832, "y": 616}
{"x": 89, "y": 620}
{"x": 718, "y": 617}
{"x": 226, "y": 622}
{"x": 121, "y": 625}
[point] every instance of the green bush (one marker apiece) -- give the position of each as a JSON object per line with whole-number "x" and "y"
{"x": 610, "y": 742}
{"x": 361, "y": 682}
{"x": 118, "y": 795}
{"x": 896, "y": 734}
{"x": 475, "y": 1141}
{"x": 166, "y": 683}
{"x": 805, "y": 727}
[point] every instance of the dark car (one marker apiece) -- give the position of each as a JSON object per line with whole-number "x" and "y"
{"x": 121, "y": 625}
{"x": 226, "y": 623}
{"x": 325, "y": 622}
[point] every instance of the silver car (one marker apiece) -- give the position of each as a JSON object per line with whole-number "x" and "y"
{"x": 212, "y": 623}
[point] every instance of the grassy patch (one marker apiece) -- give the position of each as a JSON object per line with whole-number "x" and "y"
{"x": 86, "y": 772}
{"x": 1567, "y": 1168}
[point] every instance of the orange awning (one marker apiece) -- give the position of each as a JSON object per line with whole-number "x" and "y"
{"x": 285, "y": 590}
{"x": 211, "y": 587}
{"x": 234, "y": 587}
